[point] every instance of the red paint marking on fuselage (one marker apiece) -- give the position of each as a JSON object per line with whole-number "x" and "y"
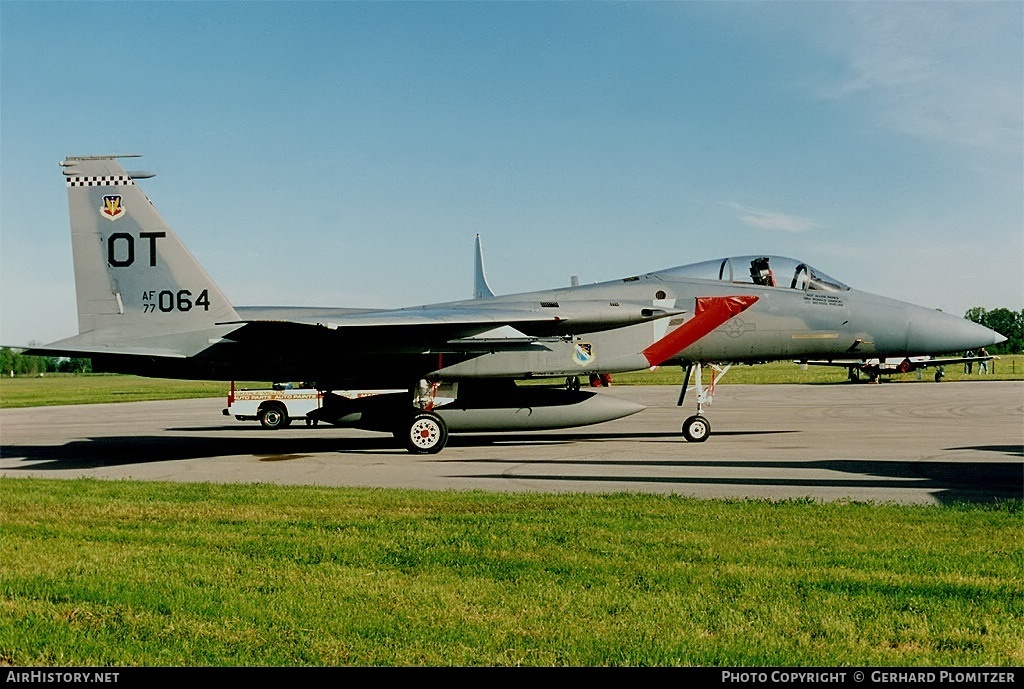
{"x": 710, "y": 313}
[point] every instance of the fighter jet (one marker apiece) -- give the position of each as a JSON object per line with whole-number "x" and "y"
{"x": 146, "y": 307}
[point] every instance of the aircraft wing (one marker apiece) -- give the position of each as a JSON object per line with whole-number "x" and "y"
{"x": 478, "y": 327}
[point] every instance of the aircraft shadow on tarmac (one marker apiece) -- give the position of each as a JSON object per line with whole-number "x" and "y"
{"x": 949, "y": 482}
{"x": 123, "y": 450}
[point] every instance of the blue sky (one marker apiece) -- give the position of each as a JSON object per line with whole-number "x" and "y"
{"x": 346, "y": 153}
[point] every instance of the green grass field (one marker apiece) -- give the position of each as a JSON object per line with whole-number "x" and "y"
{"x": 95, "y": 388}
{"x": 144, "y": 574}
{"x": 122, "y": 573}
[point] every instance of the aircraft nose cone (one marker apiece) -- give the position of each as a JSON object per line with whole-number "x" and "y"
{"x": 935, "y": 332}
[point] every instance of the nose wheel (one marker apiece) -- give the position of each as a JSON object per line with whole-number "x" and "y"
{"x": 697, "y": 428}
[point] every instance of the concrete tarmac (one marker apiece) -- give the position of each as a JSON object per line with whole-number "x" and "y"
{"x": 898, "y": 442}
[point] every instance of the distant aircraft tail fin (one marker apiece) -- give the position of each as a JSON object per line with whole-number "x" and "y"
{"x": 481, "y": 289}
{"x": 134, "y": 279}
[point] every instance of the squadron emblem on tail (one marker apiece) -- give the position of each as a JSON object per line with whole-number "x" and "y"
{"x": 113, "y": 207}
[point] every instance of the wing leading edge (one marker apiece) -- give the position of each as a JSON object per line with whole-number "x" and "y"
{"x": 453, "y": 327}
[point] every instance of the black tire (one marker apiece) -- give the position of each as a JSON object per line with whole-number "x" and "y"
{"x": 696, "y": 429}
{"x": 274, "y": 416}
{"x": 425, "y": 434}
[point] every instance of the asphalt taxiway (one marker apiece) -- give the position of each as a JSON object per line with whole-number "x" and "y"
{"x": 911, "y": 442}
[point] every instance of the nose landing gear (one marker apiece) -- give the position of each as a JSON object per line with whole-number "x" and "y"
{"x": 697, "y": 428}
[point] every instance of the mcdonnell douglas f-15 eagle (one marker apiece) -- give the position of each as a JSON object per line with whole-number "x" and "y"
{"x": 146, "y": 307}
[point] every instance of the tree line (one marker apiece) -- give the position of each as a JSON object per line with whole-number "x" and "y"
{"x": 23, "y": 365}
{"x": 1007, "y": 323}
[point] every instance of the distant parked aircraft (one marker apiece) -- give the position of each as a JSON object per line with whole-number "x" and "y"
{"x": 875, "y": 368}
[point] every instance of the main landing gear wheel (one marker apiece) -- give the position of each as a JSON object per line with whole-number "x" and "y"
{"x": 426, "y": 434}
{"x": 696, "y": 429}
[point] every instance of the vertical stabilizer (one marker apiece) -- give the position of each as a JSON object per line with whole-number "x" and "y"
{"x": 481, "y": 289}
{"x": 134, "y": 279}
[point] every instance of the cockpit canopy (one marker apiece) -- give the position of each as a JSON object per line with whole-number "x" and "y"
{"x": 769, "y": 271}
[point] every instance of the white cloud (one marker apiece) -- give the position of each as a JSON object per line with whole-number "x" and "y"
{"x": 773, "y": 220}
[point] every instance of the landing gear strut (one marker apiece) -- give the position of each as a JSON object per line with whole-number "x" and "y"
{"x": 697, "y": 428}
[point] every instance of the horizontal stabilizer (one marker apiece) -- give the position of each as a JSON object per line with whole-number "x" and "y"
{"x": 86, "y": 351}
